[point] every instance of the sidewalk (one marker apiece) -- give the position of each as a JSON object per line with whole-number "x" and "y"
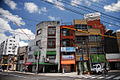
{"x": 114, "y": 71}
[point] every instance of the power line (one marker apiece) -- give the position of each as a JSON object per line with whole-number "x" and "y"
{"x": 93, "y": 10}
{"x": 77, "y": 12}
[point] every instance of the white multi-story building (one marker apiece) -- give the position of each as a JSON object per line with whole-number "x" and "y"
{"x": 9, "y": 46}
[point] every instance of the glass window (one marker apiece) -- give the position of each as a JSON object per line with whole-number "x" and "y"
{"x": 38, "y": 43}
{"x": 52, "y": 31}
{"x": 39, "y": 31}
{"x": 51, "y": 43}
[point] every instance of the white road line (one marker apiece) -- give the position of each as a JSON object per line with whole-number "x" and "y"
{"x": 118, "y": 78}
{"x": 17, "y": 75}
{"x": 109, "y": 77}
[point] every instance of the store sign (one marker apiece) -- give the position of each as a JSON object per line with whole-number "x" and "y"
{"x": 92, "y": 16}
{"x": 64, "y": 57}
{"x": 67, "y": 49}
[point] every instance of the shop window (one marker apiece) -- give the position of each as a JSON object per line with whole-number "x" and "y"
{"x": 51, "y": 31}
{"x": 51, "y": 43}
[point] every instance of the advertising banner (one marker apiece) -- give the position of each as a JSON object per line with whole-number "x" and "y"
{"x": 67, "y": 49}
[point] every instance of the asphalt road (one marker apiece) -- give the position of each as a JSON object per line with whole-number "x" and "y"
{"x": 21, "y": 76}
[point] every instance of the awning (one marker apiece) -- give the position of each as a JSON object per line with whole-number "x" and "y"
{"x": 37, "y": 52}
{"x": 113, "y": 60}
{"x": 44, "y": 63}
{"x": 51, "y": 53}
{"x": 29, "y": 63}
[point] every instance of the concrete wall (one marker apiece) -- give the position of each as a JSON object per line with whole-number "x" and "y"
{"x": 43, "y": 37}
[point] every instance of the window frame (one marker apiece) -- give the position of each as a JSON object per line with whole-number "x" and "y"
{"x": 48, "y": 31}
{"x": 52, "y": 46}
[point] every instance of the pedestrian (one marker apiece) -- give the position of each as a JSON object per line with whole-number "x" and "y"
{"x": 78, "y": 70}
{"x": 105, "y": 70}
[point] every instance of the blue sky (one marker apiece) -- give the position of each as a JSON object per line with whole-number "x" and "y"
{"x": 28, "y": 13}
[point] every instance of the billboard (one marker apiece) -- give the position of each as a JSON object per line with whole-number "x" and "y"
{"x": 64, "y": 57}
{"x": 92, "y": 16}
{"x": 67, "y": 49}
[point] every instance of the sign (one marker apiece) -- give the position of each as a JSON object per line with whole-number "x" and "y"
{"x": 67, "y": 49}
{"x": 92, "y": 16}
{"x": 67, "y": 57}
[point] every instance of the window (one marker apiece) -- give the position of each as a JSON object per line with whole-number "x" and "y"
{"x": 21, "y": 57}
{"x": 52, "y": 31}
{"x": 81, "y": 27}
{"x": 39, "y": 31}
{"x": 51, "y": 43}
{"x": 10, "y": 48}
{"x": 10, "y": 44}
{"x": 67, "y": 43}
{"x": 10, "y": 40}
{"x": 95, "y": 38}
{"x": 30, "y": 56}
{"x": 38, "y": 43}
{"x": 29, "y": 48}
{"x": 9, "y": 51}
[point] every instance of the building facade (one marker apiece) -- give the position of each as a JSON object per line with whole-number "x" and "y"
{"x": 48, "y": 43}
{"x": 89, "y": 46}
{"x": 67, "y": 52}
{"x": 112, "y": 50}
{"x": 8, "y": 52}
{"x": 22, "y": 58}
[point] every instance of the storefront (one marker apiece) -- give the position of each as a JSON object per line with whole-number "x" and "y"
{"x": 68, "y": 59}
{"x": 114, "y": 61}
{"x": 82, "y": 63}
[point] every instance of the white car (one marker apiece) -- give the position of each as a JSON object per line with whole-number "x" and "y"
{"x": 97, "y": 68}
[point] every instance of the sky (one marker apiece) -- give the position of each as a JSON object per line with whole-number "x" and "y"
{"x": 28, "y": 13}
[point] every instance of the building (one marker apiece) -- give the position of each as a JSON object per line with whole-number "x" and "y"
{"x": 112, "y": 50}
{"x": 48, "y": 43}
{"x": 67, "y": 52}
{"x": 81, "y": 44}
{"x": 8, "y": 52}
{"x": 89, "y": 46}
{"x": 31, "y": 57}
{"x": 22, "y": 58}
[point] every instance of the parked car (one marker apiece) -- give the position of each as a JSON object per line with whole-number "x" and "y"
{"x": 97, "y": 68}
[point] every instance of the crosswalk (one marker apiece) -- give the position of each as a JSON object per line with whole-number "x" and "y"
{"x": 92, "y": 77}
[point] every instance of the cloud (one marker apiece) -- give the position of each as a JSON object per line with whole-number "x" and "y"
{"x": 57, "y": 4}
{"x": 30, "y": 34}
{"x": 5, "y": 18}
{"x": 96, "y": 0}
{"x": 11, "y": 4}
{"x": 4, "y": 24}
{"x": 88, "y": 2}
{"x": 44, "y": 9}
{"x": 33, "y": 8}
{"x": 51, "y": 17}
{"x": 75, "y": 2}
{"x": 22, "y": 43}
{"x": 5, "y": 14}
{"x": 113, "y": 6}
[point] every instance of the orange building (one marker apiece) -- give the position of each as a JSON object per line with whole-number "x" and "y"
{"x": 67, "y": 52}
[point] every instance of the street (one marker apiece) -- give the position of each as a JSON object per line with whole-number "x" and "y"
{"x": 57, "y": 76}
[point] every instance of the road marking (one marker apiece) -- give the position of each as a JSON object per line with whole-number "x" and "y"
{"x": 109, "y": 77}
{"x": 17, "y": 75}
{"x": 118, "y": 77}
